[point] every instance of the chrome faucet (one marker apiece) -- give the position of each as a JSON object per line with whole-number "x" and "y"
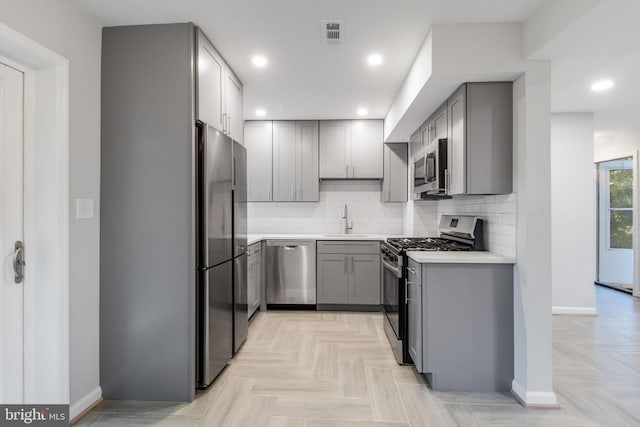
{"x": 345, "y": 216}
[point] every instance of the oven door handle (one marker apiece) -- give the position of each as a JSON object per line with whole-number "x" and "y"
{"x": 391, "y": 267}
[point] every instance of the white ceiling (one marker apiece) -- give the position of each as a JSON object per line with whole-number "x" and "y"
{"x": 604, "y": 43}
{"x": 306, "y": 78}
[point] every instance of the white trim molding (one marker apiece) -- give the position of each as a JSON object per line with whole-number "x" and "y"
{"x": 85, "y": 403}
{"x": 534, "y": 399}
{"x": 574, "y": 311}
{"x": 46, "y": 217}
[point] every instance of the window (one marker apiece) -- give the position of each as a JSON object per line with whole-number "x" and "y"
{"x": 620, "y": 208}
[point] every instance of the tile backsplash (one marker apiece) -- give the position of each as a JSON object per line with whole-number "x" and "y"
{"x": 371, "y": 216}
{"x": 499, "y": 214}
{"x": 368, "y": 213}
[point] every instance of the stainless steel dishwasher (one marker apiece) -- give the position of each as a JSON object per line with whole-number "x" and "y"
{"x": 291, "y": 272}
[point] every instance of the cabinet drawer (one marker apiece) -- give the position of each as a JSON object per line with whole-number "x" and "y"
{"x": 348, "y": 247}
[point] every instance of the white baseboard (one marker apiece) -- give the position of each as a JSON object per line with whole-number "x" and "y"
{"x": 85, "y": 402}
{"x": 574, "y": 311}
{"x": 534, "y": 399}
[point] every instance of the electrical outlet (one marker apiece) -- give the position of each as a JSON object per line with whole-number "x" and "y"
{"x": 84, "y": 209}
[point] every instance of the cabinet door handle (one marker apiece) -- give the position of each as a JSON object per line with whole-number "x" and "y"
{"x": 353, "y": 169}
{"x": 229, "y": 125}
{"x": 406, "y": 292}
{"x": 411, "y": 270}
{"x": 346, "y": 264}
{"x": 446, "y": 181}
{"x": 224, "y": 123}
{"x": 346, "y": 171}
{"x": 353, "y": 265}
{"x": 268, "y": 192}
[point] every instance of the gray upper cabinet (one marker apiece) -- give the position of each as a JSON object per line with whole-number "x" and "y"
{"x": 434, "y": 128}
{"x": 219, "y": 101}
{"x": 258, "y": 140}
{"x": 233, "y": 97}
{"x": 292, "y": 148}
{"x": 415, "y": 142}
{"x": 284, "y": 161}
{"x": 366, "y": 149}
{"x": 348, "y": 273}
{"x": 307, "y": 177}
{"x": 438, "y": 124}
{"x": 394, "y": 184}
{"x": 335, "y": 149}
{"x": 210, "y": 83}
{"x": 351, "y": 149}
{"x": 481, "y": 139}
{"x": 457, "y": 162}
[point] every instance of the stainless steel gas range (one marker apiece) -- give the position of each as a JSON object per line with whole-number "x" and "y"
{"x": 457, "y": 233}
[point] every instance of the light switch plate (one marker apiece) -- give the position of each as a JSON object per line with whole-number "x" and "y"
{"x": 84, "y": 209}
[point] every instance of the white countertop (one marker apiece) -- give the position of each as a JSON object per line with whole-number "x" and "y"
{"x": 254, "y": 238}
{"x": 479, "y": 257}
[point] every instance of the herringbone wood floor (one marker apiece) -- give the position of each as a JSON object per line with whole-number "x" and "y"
{"x": 317, "y": 369}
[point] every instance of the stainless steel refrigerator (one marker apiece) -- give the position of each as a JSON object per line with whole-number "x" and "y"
{"x": 215, "y": 255}
{"x": 240, "y": 297}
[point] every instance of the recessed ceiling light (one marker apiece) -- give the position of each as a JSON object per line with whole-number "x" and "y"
{"x": 374, "y": 59}
{"x": 601, "y": 85}
{"x": 259, "y": 61}
{"x": 260, "y": 112}
{"x": 362, "y": 112}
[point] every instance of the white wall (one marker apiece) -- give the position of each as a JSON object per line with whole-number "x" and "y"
{"x": 368, "y": 213}
{"x": 61, "y": 27}
{"x": 533, "y": 382}
{"x": 572, "y": 214}
{"x": 617, "y": 144}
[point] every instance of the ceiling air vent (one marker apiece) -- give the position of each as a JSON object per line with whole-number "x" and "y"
{"x": 332, "y": 31}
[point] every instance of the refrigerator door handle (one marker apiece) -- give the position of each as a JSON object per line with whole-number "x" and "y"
{"x": 202, "y": 130}
{"x": 234, "y": 172}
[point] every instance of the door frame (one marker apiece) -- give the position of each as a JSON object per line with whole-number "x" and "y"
{"x": 46, "y": 215}
{"x": 636, "y": 216}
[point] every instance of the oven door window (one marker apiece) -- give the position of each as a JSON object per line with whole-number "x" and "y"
{"x": 391, "y": 299}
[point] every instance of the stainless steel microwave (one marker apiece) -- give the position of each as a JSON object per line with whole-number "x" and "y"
{"x": 430, "y": 170}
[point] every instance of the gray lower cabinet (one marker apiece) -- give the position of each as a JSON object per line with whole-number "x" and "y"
{"x": 254, "y": 276}
{"x": 348, "y": 273}
{"x": 333, "y": 279}
{"x": 364, "y": 287}
{"x": 394, "y": 183}
{"x": 414, "y": 305}
{"x": 467, "y": 326}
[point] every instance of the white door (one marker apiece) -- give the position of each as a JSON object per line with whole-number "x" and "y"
{"x": 615, "y": 223}
{"x": 11, "y": 231}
